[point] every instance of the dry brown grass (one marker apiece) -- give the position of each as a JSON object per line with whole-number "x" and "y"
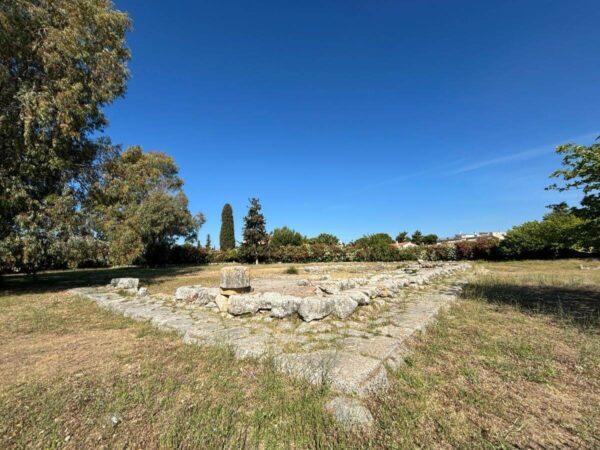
{"x": 516, "y": 363}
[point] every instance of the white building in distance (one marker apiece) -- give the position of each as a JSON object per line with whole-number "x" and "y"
{"x": 460, "y": 237}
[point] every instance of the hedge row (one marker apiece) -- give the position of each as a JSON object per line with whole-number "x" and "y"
{"x": 306, "y": 253}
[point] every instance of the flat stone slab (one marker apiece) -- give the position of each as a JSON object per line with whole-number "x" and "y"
{"x": 350, "y": 413}
{"x": 378, "y": 347}
{"x": 350, "y": 373}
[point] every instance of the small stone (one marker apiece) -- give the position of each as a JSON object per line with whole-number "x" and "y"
{"x": 142, "y": 292}
{"x": 125, "y": 283}
{"x": 115, "y": 419}
{"x": 350, "y": 413}
{"x": 222, "y": 303}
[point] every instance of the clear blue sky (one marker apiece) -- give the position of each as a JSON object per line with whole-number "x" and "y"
{"x": 356, "y": 117}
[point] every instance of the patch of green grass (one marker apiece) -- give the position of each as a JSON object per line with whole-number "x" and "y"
{"x": 291, "y": 271}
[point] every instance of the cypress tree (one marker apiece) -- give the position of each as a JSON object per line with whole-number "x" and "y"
{"x": 255, "y": 233}
{"x": 227, "y": 236}
{"x": 208, "y": 242}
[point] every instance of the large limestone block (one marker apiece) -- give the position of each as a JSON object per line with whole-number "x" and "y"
{"x": 343, "y": 306}
{"x": 125, "y": 283}
{"x": 314, "y": 308}
{"x": 197, "y": 294}
{"x": 187, "y": 293}
{"x": 236, "y": 278}
{"x": 243, "y": 304}
{"x": 280, "y": 305}
{"x": 360, "y": 297}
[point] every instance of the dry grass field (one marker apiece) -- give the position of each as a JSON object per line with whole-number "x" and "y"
{"x": 515, "y": 363}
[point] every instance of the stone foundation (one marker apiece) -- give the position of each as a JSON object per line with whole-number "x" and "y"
{"x": 345, "y": 332}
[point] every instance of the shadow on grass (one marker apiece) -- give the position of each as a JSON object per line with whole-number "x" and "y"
{"x": 580, "y": 305}
{"x": 67, "y": 279}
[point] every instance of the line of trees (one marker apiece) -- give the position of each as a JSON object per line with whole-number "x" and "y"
{"x": 417, "y": 238}
{"x": 563, "y": 232}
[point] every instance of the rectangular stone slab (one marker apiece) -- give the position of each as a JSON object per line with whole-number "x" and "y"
{"x": 346, "y": 372}
{"x": 378, "y": 347}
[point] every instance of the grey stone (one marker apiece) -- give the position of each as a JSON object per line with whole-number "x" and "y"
{"x": 359, "y": 297}
{"x": 283, "y": 305}
{"x": 253, "y": 346}
{"x": 346, "y": 284}
{"x": 236, "y": 278}
{"x": 187, "y": 293}
{"x": 343, "y": 306}
{"x": 378, "y": 347}
{"x": 222, "y": 302}
{"x": 345, "y": 372}
{"x": 243, "y": 304}
{"x": 327, "y": 289}
{"x": 207, "y": 295}
{"x": 125, "y": 283}
{"x": 350, "y": 413}
{"x": 142, "y": 292}
{"x": 314, "y": 308}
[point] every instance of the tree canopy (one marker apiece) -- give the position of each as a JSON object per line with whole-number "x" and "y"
{"x": 581, "y": 170}
{"x": 326, "y": 239}
{"x": 555, "y": 235}
{"x": 402, "y": 237}
{"x": 372, "y": 240}
{"x": 227, "y": 235}
{"x": 255, "y": 233}
{"x": 138, "y": 206}
{"x": 285, "y": 236}
{"x": 417, "y": 237}
{"x": 61, "y": 62}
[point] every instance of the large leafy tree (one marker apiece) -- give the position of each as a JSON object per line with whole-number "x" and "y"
{"x": 286, "y": 236}
{"x": 326, "y": 239}
{"x": 557, "y": 234}
{"x": 139, "y": 207}
{"x": 227, "y": 235}
{"x": 56, "y": 234}
{"x": 255, "y": 233}
{"x": 402, "y": 237}
{"x": 61, "y": 61}
{"x": 417, "y": 237}
{"x": 581, "y": 170}
{"x": 377, "y": 239}
{"x": 430, "y": 239}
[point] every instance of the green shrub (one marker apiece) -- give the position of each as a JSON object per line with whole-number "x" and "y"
{"x": 187, "y": 254}
{"x": 291, "y": 271}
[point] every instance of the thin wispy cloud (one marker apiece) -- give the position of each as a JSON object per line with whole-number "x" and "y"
{"x": 518, "y": 156}
{"x": 460, "y": 166}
